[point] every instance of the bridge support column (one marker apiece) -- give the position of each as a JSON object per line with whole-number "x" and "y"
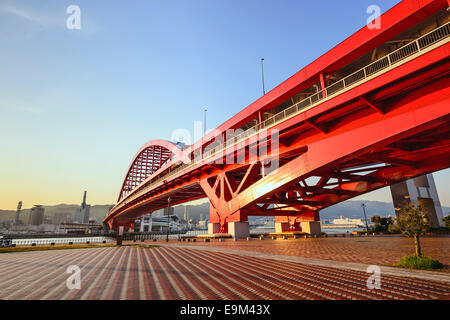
{"x": 281, "y": 227}
{"x": 307, "y": 221}
{"x": 213, "y": 228}
{"x": 239, "y": 230}
{"x": 311, "y": 227}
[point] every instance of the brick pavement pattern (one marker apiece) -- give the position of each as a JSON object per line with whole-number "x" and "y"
{"x": 380, "y": 250}
{"x": 169, "y": 273}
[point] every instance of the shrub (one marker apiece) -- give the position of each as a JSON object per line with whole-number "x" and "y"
{"x": 393, "y": 228}
{"x": 447, "y": 221}
{"x": 418, "y": 262}
{"x": 381, "y": 224}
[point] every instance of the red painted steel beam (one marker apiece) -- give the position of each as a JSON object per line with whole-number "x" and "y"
{"x": 374, "y": 105}
{"x": 413, "y": 66}
{"x": 236, "y": 166}
{"x": 420, "y": 111}
{"x": 420, "y": 63}
{"x": 357, "y": 122}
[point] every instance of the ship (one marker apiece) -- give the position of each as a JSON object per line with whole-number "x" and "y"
{"x": 343, "y": 223}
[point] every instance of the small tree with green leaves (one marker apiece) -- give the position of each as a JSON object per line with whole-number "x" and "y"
{"x": 381, "y": 224}
{"x": 413, "y": 222}
{"x": 376, "y": 219}
{"x": 447, "y": 221}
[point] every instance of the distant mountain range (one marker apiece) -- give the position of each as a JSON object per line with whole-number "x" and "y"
{"x": 349, "y": 209}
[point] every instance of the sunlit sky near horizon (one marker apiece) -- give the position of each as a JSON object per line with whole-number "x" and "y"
{"x": 76, "y": 105}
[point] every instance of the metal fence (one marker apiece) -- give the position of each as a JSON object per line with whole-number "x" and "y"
{"x": 49, "y": 241}
{"x": 160, "y": 235}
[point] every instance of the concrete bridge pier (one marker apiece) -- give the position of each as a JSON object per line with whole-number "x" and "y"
{"x": 420, "y": 190}
{"x": 307, "y": 221}
{"x": 312, "y": 227}
{"x": 213, "y": 228}
{"x": 239, "y": 230}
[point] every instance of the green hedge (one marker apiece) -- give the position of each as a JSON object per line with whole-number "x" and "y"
{"x": 418, "y": 262}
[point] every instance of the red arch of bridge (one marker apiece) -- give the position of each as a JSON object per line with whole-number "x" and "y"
{"x": 150, "y": 157}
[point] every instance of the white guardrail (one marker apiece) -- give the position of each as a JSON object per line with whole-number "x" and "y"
{"x": 41, "y": 241}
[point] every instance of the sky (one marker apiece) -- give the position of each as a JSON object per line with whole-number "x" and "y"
{"x": 77, "y": 104}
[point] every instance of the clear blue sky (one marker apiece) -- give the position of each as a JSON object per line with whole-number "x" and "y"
{"x": 76, "y": 105}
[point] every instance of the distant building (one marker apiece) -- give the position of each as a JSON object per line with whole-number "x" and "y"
{"x": 36, "y": 215}
{"x": 48, "y": 220}
{"x": 186, "y": 213}
{"x": 79, "y": 228}
{"x": 60, "y": 217}
{"x": 150, "y": 223}
{"x": 19, "y": 207}
{"x": 203, "y": 225}
{"x": 83, "y": 213}
{"x": 144, "y": 224}
{"x": 168, "y": 209}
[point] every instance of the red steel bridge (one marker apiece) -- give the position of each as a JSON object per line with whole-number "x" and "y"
{"x": 371, "y": 112}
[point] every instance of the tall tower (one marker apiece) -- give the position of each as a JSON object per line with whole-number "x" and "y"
{"x": 83, "y": 213}
{"x": 19, "y": 207}
{"x": 36, "y": 215}
{"x": 422, "y": 191}
{"x": 186, "y": 211}
{"x": 83, "y": 204}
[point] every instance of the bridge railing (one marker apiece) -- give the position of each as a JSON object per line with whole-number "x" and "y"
{"x": 368, "y": 72}
{"x": 387, "y": 61}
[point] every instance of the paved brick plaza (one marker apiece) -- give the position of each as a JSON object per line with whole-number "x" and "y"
{"x": 380, "y": 250}
{"x": 180, "y": 272}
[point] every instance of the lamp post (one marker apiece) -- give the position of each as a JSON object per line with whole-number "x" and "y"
{"x": 262, "y": 74}
{"x": 365, "y": 217}
{"x": 204, "y": 122}
{"x": 168, "y": 223}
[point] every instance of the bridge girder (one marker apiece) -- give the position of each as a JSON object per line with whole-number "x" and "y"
{"x": 396, "y": 124}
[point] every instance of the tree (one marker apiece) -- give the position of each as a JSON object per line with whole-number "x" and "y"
{"x": 381, "y": 224}
{"x": 376, "y": 220}
{"x": 447, "y": 221}
{"x": 413, "y": 222}
{"x": 386, "y": 222}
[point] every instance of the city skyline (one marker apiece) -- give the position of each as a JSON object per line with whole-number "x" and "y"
{"x": 64, "y": 92}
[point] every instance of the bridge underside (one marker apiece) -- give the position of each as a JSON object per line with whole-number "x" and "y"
{"x": 396, "y": 132}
